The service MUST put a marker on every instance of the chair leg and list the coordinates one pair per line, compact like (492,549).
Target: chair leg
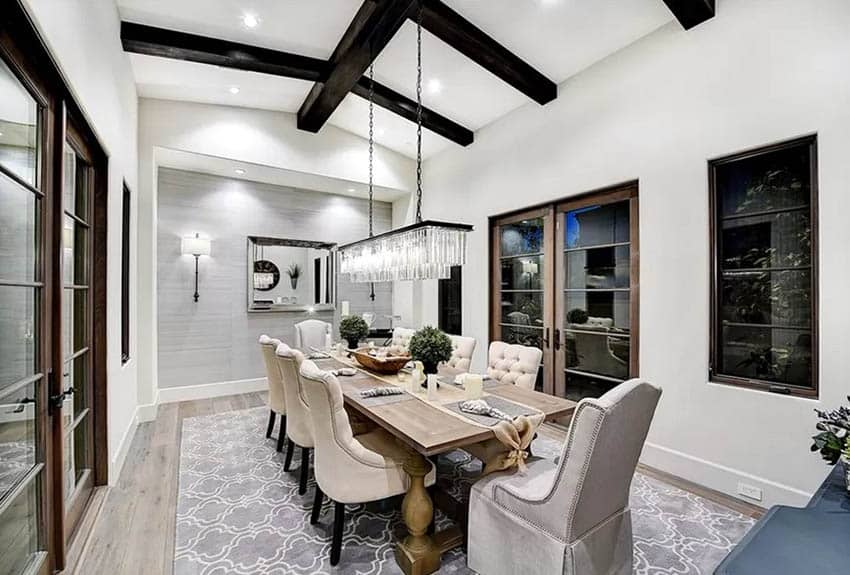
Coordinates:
(305,469)
(290,447)
(336,542)
(270,428)
(318,499)
(281,434)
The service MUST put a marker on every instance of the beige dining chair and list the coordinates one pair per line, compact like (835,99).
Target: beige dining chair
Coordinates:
(462,350)
(513,363)
(570,517)
(401,337)
(277,399)
(299,430)
(348,469)
(313,333)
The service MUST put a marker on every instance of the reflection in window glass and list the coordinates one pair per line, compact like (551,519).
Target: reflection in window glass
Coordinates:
(597,225)
(18,128)
(525,237)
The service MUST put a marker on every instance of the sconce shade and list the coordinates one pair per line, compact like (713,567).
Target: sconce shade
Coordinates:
(195,246)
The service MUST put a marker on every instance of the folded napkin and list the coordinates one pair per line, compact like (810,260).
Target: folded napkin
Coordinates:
(379,391)
(516,436)
(481,407)
(344,371)
(459,378)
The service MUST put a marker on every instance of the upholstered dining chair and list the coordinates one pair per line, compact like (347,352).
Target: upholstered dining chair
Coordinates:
(299,430)
(401,337)
(348,469)
(312,333)
(570,517)
(462,349)
(513,363)
(277,399)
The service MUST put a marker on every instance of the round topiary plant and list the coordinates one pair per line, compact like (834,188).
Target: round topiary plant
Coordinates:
(352,329)
(430,346)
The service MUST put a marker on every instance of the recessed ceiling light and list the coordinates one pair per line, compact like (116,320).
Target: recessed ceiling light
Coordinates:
(350,190)
(239,171)
(233,89)
(434,86)
(250,20)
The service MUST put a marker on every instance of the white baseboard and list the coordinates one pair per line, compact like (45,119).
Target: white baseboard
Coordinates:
(148,411)
(719,477)
(207,390)
(117,462)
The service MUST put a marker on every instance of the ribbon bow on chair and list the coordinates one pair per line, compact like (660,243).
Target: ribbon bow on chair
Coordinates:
(516,436)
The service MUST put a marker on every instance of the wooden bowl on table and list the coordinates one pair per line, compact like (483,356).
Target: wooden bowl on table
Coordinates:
(387,365)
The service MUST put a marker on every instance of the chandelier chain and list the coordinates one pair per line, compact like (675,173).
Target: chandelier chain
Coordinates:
(371,140)
(419,114)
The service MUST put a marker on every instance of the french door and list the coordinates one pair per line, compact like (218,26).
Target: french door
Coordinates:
(564,278)
(52,352)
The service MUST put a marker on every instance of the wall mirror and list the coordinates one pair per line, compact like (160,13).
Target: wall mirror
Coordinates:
(290,275)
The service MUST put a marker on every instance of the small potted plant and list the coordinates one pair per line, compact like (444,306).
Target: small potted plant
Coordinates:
(294,272)
(833,441)
(430,346)
(352,329)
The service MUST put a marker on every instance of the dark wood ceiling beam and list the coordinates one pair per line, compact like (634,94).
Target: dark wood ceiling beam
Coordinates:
(406,108)
(373,27)
(475,44)
(142,39)
(690,13)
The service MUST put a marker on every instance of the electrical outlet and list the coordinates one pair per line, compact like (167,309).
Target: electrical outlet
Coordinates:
(749,491)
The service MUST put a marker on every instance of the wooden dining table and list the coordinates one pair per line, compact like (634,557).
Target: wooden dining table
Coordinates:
(428,431)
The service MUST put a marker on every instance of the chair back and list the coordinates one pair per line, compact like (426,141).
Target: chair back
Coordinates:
(277,399)
(599,458)
(401,337)
(312,333)
(513,363)
(462,349)
(299,428)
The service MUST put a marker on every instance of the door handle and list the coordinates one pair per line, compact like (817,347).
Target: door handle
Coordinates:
(557,339)
(546,337)
(22,404)
(56,401)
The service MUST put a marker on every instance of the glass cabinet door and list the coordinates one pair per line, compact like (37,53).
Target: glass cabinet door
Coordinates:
(596,293)
(22,358)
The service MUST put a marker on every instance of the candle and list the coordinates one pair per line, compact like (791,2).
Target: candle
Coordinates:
(344,308)
(473,383)
(432,387)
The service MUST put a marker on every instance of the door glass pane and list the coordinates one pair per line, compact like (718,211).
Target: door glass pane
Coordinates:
(597,226)
(19,221)
(525,237)
(19,528)
(605,310)
(18,411)
(597,268)
(75,451)
(18,323)
(75,186)
(74,252)
(74,377)
(522,308)
(524,273)
(530,336)
(18,128)
(595,351)
(579,386)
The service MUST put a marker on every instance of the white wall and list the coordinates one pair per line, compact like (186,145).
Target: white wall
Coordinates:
(759,72)
(83,37)
(250,136)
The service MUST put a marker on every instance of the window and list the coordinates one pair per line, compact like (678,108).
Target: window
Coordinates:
(125,277)
(450,295)
(764,280)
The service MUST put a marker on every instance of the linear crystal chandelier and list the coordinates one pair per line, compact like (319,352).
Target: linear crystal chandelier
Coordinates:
(423,250)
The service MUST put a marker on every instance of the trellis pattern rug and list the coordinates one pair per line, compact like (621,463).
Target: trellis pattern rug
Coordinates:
(239,513)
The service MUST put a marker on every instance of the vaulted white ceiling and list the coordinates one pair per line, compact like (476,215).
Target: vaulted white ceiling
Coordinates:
(558,37)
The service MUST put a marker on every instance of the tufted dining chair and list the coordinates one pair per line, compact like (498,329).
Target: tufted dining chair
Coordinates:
(277,399)
(313,333)
(401,337)
(462,349)
(513,363)
(299,428)
(570,517)
(348,470)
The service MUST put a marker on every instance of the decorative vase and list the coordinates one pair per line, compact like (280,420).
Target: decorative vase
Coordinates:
(429,367)
(293,282)
(353,343)
(845,461)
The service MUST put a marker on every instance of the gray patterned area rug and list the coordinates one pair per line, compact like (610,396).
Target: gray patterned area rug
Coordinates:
(239,513)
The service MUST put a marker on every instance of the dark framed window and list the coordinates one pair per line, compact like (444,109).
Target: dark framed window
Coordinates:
(125,276)
(451,309)
(764,268)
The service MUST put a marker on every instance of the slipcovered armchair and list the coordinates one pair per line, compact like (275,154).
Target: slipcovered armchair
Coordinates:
(570,517)
(277,399)
(299,428)
(313,333)
(401,338)
(512,363)
(462,349)
(348,470)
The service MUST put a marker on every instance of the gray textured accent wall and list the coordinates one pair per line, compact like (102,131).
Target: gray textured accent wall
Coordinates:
(215,340)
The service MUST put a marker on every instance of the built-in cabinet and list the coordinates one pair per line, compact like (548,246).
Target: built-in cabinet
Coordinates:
(564,278)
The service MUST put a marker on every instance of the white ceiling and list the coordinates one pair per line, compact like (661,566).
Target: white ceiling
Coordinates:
(558,37)
(225,167)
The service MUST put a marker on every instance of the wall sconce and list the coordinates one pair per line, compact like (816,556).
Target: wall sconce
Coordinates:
(195,246)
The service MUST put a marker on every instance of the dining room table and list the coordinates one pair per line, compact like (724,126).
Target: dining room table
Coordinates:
(429,424)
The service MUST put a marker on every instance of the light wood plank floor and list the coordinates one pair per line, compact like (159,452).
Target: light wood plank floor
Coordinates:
(134,532)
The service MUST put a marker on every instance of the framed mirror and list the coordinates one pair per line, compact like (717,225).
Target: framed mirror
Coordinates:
(290,275)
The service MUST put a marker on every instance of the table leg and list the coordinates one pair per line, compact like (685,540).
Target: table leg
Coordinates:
(417,554)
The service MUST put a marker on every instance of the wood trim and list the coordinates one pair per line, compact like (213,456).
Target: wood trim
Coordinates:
(100,346)
(715,271)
